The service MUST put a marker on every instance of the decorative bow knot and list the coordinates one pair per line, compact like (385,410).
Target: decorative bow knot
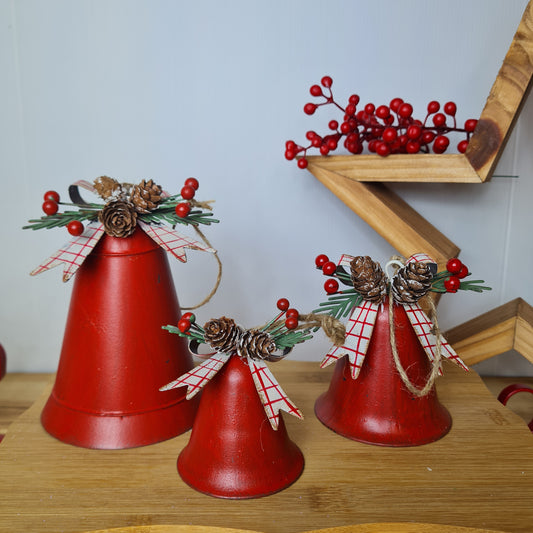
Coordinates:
(127,206)
(412,281)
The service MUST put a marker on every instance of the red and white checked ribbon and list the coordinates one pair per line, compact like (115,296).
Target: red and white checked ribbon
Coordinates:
(361,324)
(74,252)
(272,396)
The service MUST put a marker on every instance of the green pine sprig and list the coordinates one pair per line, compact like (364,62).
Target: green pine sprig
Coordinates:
(340,305)
(195,332)
(87,212)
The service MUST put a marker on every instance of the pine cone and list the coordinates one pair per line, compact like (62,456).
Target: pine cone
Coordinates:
(368,278)
(412,282)
(106,186)
(257,345)
(145,196)
(119,218)
(222,334)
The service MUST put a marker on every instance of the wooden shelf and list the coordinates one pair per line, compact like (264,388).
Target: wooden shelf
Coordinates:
(507,327)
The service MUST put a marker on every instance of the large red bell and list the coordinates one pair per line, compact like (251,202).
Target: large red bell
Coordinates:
(115,356)
(377,407)
(233,451)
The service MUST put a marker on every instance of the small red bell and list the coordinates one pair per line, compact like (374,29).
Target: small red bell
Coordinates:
(233,451)
(377,408)
(115,354)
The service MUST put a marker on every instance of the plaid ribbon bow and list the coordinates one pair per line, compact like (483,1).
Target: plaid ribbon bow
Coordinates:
(361,324)
(75,251)
(272,396)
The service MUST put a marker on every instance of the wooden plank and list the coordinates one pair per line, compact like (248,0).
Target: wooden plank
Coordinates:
(383,210)
(505,100)
(420,168)
(48,486)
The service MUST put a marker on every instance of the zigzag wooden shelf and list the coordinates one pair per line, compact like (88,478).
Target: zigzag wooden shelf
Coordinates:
(383,210)
(508,327)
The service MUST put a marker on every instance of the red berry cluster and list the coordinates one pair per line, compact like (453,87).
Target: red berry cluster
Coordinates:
(331,286)
(185,322)
(458,271)
(291,315)
(386,129)
(51,207)
(187,193)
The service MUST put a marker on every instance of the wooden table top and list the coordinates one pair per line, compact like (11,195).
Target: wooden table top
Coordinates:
(479,475)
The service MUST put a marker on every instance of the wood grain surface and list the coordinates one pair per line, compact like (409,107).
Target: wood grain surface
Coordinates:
(479,475)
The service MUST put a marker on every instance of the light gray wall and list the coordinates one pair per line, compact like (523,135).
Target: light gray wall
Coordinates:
(171,89)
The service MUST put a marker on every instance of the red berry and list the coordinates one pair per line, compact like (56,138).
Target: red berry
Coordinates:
(51,195)
(463,272)
(433,107)
(75,227)
(354,99)
(326,81)
(450,108)
(382,112)
(329,268)
(193,182)
(369,109)
(292,313)
(283,304)
(454,265)
(452,283)
(183,209)
(405,110)
(389,134)
(324,149)
(395,104)
(50,207)
(470,125)
(309,108)
(439,120)
(331,286)
(290,155)
(412,147)
(440,144)
(184,325)
(382,149)
(462,146)
(291,323)
(350,110)
(414,131)
(187,193)
(289,145)
(333,125)
(321,260)
(191,317)
(302,163)
(427,136)
(315,90)
(332,144)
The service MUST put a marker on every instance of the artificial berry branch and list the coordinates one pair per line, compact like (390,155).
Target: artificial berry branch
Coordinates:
(384,129)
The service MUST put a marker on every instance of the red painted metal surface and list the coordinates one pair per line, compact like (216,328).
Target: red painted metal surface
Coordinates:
(233,451)
(3,362)
(115,356)
(508,392)
(377,408)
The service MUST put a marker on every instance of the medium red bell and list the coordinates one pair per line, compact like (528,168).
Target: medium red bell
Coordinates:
(233,451)
(377,408)
(115,354)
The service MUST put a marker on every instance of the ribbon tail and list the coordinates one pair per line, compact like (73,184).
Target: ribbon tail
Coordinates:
(73,253)
(199,376)
(358,333)
(424,330)
(272,396)
(172,241)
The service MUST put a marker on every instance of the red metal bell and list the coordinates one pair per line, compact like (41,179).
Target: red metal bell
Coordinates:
(377,408)
(233,451)
(115,354)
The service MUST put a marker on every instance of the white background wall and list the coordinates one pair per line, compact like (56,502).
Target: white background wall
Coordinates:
(170,89)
